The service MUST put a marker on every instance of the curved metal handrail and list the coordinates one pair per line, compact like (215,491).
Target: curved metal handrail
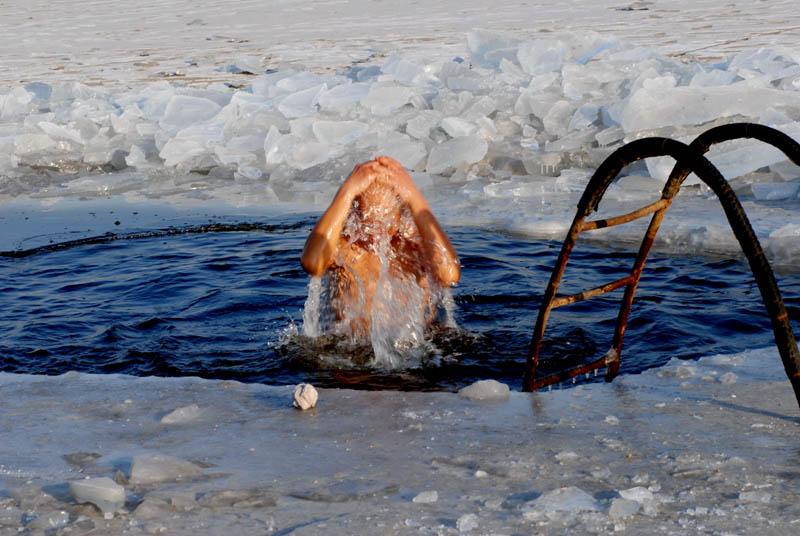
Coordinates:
(689,158)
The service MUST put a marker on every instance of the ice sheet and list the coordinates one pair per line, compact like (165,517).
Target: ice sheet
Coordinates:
(706,445)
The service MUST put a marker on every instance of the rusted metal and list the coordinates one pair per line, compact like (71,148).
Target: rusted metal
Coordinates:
(688,159)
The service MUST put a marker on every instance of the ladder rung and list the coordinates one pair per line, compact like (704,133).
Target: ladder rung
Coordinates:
(565,374)
(625,218)
(591,293)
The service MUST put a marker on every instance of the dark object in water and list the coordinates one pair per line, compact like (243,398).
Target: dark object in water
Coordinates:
(689,159)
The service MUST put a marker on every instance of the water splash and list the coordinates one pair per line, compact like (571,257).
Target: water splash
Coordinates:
(379,290)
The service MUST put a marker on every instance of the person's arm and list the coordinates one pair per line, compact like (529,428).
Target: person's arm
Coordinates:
(323,241)
(441,254)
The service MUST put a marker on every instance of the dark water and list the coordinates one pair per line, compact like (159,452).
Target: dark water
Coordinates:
(226,304)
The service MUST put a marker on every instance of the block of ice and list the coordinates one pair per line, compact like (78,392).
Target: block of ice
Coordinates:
(421,124)
(456,152)
(567,499)
(584,116)
(638,493)
(410,153)
(298,82)
(455,127)
(755,496)
(338,132)
(385,99)
(151,468)
(425,497)
(467,522)
(184,110)
(660,107)
(622,508)
(712,77)
(103,492)
(488,49)
(401,69)
(486,391)
(47,521)
(775,191)
(304,155)
(301,103)
(178,151)
(15,103)
(542,56)
(182,415)
(557,119)
(343,95)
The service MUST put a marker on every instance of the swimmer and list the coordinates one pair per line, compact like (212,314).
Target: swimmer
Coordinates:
(378,220)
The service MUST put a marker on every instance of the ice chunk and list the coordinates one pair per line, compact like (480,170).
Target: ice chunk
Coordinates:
(15,103)
(622,508)
(178,151)
(60,132)
(775,191)
(343,95)
(383,100)
(184,110)
(585,116)
(456,152)
(639,494)
(421,124)
(297,82)
(755,496)
(566,456)
(304,155)
(488,49)
(49,520)
(713,77)
(486,390)
(151,468)
(568,499)
(542,56)
(182,415)
(338,132)
(467,522)
(651,108)
(402,70)
(304,396)
(558,118)
(408,152)
(729,378)
(430,496)
(455,127)
(103,492)
(301,103)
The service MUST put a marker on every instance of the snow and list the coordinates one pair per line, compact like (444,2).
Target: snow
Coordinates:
(501,124)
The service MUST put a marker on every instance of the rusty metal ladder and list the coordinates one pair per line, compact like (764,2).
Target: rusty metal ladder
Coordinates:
(689,158)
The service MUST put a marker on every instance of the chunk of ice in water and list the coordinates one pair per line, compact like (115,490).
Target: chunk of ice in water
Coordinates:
(103,492)
(338,132)
(182,415)
(557,120)
(638,493)
(51,520)
(301,103)
(585,116)
(343,95)
(542,56)
(488,49)
(383,100)
(430,496)
(151,468)
(622,508)
(467,522)
(456,152)
(713,77)
(755,496)
(486,391)
(304,155)
(775,191)
(455,127)
(568,499)
(421,124)
(184,110)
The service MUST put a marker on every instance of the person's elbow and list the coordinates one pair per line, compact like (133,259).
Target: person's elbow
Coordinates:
(449,273)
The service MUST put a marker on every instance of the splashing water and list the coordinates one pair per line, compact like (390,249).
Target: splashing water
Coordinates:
(379,291)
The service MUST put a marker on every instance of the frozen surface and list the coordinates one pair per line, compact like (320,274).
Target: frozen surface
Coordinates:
(687,452)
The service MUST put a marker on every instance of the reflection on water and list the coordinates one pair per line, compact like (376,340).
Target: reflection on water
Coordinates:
(230,305)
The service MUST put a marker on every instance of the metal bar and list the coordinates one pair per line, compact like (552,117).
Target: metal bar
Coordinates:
(591,293)
(561,375)
(625,218)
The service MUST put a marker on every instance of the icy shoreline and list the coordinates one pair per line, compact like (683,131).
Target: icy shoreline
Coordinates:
(694,446)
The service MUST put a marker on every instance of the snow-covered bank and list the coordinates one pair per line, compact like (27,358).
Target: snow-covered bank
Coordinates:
(707,446)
